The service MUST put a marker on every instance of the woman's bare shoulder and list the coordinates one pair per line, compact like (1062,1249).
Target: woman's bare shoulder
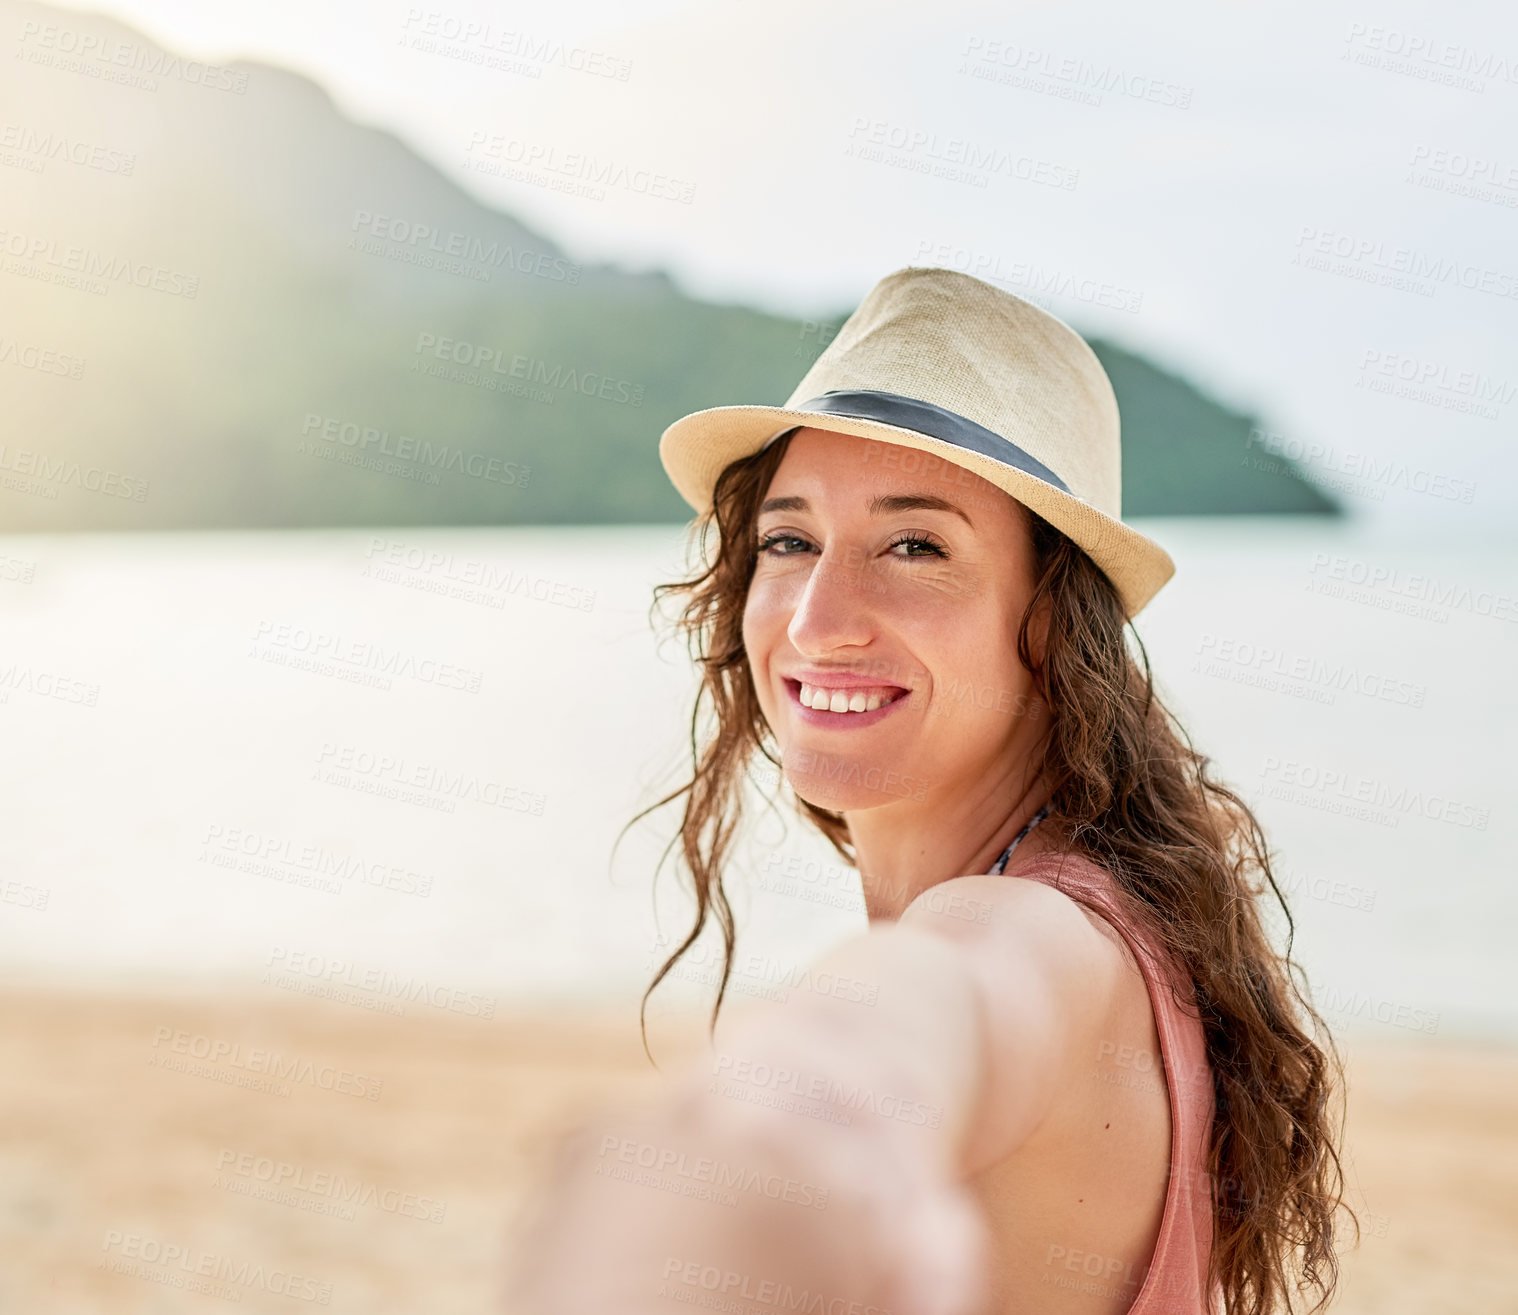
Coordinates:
(1049,982)
(1011,913)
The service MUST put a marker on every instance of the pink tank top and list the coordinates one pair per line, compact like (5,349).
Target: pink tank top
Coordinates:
(1177,1276)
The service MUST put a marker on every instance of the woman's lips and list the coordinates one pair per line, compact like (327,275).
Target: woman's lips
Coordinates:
(853,701)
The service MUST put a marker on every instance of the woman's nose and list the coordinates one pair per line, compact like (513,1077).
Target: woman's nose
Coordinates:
(838,604)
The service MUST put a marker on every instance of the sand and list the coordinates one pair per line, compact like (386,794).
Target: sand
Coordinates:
(119,1144)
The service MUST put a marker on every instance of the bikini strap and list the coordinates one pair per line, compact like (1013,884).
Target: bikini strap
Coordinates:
(1000,865)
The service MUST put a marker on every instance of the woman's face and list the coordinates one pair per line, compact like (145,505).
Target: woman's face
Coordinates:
(889,577)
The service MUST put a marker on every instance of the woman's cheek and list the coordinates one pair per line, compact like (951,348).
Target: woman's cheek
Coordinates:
(977,696)
(762,629)
(759,619)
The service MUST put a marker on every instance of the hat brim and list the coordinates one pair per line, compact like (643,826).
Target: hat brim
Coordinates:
(697,447)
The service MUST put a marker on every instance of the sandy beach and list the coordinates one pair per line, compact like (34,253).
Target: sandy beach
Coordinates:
(147,1137)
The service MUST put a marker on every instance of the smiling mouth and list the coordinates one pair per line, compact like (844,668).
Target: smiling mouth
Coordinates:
(859,699)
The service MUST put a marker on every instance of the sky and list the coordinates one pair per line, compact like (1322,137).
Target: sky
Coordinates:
(1309,209)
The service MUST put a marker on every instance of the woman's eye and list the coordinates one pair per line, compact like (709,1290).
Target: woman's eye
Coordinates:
(917,545)
(767,544)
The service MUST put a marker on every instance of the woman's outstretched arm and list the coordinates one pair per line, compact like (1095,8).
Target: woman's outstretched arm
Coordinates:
(822,1147)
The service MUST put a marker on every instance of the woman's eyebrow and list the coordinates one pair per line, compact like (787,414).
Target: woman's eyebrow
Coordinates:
(892,502)
(885,502)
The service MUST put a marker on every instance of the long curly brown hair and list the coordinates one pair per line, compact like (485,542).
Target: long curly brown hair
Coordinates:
(1133,795)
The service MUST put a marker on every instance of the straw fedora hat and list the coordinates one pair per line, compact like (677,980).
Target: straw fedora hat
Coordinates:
(950,365)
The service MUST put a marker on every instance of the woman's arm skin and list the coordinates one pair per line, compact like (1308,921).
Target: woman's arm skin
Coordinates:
(989,997)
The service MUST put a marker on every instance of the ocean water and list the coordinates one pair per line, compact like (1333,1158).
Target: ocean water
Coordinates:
(210,778)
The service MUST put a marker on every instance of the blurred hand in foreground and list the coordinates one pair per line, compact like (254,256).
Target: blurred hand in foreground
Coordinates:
(698,1198)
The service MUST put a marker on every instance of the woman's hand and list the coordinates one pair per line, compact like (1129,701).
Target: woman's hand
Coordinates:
(696,1198)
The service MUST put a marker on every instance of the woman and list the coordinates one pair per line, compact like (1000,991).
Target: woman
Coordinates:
(1072,1074)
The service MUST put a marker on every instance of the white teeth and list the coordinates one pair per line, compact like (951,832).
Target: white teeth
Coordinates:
(815,696)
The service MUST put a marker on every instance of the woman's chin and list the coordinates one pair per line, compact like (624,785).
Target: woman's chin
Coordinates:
(843,785)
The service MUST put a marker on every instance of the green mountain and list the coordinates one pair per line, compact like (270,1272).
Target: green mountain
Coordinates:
(223,303)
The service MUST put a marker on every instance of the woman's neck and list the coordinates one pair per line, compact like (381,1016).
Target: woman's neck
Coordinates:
(902,853)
